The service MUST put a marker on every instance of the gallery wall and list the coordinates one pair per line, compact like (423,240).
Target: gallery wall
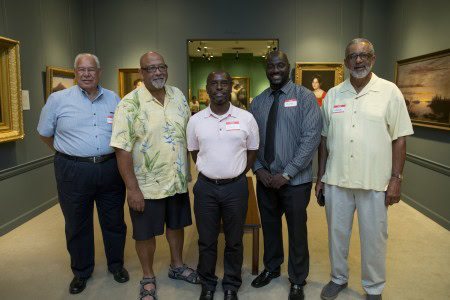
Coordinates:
(51,32)
(418,28)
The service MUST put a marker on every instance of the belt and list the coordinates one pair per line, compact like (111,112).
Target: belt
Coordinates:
(92,159)
(221,181)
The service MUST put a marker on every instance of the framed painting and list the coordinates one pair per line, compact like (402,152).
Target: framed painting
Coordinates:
(58,79)
(319,77)
(11,115)
(129,79)
(240,92)
(425,83)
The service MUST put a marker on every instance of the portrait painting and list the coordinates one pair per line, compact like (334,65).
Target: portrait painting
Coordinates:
(129,79)
(425,84)
(58,79)
(319,77)
(240,92)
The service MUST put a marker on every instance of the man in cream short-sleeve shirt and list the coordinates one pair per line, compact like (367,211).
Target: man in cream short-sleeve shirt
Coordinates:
(361,158)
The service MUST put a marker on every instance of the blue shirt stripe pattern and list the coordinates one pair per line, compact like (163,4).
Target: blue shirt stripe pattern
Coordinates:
(298,128)
(80,127)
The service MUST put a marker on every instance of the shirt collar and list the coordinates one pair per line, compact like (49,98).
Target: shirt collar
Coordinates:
(230,113)
(99,89)
(285,88)
(169,93)
(371,86)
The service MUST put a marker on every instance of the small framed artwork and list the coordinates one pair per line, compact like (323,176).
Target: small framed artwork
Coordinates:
(58,79)
(11,116)
(319,77)
(425,83)
(129,79)
(240,92)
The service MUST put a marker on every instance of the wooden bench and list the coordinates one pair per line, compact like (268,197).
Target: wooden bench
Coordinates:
(252,224)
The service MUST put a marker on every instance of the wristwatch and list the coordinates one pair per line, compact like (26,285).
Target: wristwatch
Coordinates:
(286,176)
(398,176)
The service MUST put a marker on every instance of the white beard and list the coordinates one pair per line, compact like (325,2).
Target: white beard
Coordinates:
(159,83)
(362,73)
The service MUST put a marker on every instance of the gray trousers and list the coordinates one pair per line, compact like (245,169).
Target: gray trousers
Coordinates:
(340,204)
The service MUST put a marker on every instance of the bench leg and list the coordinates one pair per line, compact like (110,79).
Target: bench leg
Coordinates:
(255,262)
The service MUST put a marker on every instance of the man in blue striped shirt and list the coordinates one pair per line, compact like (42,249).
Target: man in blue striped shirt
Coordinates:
(77,124)
(289,122)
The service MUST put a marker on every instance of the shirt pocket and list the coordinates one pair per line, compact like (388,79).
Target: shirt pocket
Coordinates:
(373,110)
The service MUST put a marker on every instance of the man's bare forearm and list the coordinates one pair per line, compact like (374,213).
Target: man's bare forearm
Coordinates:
(323,156)
(48,141)
(398,155)
(125,165)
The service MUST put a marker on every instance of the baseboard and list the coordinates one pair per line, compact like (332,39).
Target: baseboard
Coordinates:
(16,222)
(426,211)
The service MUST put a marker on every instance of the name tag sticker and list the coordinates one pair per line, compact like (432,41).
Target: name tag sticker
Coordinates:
(109,119)
(290,103)
(232,125)
(339,108)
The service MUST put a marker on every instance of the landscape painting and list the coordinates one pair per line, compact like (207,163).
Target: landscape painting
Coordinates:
(425,84)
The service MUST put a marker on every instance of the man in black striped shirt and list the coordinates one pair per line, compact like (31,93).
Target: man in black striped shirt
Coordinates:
(289,122)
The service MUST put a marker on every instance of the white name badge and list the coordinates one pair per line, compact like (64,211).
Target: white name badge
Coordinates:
(339,108)
(290,103)
(109,119)
(232,125)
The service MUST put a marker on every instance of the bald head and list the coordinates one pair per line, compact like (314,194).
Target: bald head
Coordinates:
(153,71)
(280,54)
(277,69)
(218,72)
(149,56)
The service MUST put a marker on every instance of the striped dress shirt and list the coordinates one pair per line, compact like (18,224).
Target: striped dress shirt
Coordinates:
(297,133)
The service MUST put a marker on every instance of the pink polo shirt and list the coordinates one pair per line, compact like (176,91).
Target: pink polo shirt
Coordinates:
(222,141)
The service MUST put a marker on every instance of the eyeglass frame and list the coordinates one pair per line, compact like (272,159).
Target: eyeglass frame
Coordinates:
(147,69)
(86,70)
(354,56)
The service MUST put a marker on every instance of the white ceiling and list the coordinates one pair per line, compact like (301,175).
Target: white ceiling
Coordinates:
(217,47)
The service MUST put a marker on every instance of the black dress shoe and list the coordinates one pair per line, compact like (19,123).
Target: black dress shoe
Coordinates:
(264,278)
(230,295)
(296,292)
(206,295)
(121,276)
(77,285)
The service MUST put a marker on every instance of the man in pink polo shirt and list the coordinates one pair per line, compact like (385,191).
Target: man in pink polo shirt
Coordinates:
(223,141)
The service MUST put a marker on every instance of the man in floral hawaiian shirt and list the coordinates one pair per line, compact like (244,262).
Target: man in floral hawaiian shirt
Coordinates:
(149,135)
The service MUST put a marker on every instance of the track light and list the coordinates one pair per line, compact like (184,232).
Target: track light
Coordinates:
(237,55)
(199,49)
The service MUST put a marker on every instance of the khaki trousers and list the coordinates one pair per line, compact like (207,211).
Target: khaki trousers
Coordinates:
(340,204)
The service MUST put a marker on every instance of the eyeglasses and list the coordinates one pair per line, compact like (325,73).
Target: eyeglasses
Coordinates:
(152,69)
(363,56)
(86,70)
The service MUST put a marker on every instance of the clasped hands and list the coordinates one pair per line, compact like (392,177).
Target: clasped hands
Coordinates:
(271,181)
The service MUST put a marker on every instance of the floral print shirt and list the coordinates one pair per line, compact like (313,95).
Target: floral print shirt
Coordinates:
(155,134)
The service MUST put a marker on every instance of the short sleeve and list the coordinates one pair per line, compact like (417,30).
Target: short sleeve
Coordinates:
(398,118)
(253,136)
(47,120)
(324,110)
(192,140)
(123,130)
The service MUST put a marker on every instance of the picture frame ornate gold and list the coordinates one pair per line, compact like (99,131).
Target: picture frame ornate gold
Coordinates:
(11,114)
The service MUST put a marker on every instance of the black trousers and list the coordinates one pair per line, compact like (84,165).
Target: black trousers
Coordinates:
(292,201)
(212,203)
(79,184)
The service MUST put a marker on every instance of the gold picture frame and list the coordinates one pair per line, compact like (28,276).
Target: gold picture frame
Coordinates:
(240,92)
(424,82)
(127,79)
(11,114)
(58,79)
(331,73)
